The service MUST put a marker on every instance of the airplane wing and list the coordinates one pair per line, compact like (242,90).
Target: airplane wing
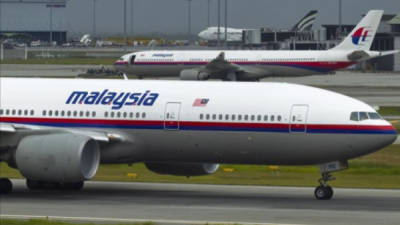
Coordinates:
(218,68)
(33,130)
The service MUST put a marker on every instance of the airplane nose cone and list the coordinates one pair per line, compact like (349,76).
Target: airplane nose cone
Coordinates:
(120,64)
(202,35)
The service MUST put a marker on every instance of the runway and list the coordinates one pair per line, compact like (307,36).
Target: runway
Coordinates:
(198,204)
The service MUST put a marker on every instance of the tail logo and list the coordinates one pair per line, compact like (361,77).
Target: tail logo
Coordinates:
(360,35)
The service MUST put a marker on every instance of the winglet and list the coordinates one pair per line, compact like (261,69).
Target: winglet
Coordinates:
(361,37)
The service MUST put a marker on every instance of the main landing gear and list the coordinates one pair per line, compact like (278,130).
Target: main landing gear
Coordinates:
(5,186)
(324,191)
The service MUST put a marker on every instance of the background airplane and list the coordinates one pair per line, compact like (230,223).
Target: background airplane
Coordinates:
(57,131)
(234,34)
(253,65)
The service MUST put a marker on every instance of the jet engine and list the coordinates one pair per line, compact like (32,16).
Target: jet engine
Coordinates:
(193,75)
(58,157)
(182,169)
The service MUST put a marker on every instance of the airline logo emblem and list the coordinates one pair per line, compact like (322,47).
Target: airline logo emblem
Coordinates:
(116,99)
(200,102)
(360,35)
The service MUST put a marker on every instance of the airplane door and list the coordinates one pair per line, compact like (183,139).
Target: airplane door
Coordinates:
(298,119)
(172,116)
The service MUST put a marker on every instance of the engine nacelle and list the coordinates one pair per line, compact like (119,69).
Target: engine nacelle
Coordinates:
(58,157)
(193,75)
(183,169)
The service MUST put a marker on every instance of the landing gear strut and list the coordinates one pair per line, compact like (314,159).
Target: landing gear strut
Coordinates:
(5,186)
(324,191)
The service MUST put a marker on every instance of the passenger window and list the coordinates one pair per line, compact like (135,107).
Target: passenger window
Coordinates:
(112,114)
(131,114)
(106,114)
(44,113)
(239,117)
(214,117)
(1,112)
(259,117)
(294,118)
(265,118)
(124,114)
(246,117)
(87,113)
(233,117)
(201,116)
(50,113)
(220,116)
(62,113)
(56,113)
(363,116)
(138,115)
(143,115)
(13,112)
(25,112)
(207,116)
(81,113)
(226,117)
(118,114)
(75,113)
(354,116)
(272,118)
(93,114)
(32,112)
(252,117)
(68,113)
(279,118)
(19,112)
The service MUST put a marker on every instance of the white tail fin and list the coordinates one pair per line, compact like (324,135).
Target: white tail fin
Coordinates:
(363,34)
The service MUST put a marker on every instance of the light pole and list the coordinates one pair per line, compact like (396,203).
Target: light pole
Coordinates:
(219,24)
(226,23)
(340,16)
(94,18)
(132,19)
(125,34)
(190,21)
(208,13)
(51,24)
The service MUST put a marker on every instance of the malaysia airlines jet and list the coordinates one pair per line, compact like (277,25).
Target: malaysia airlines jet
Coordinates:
(234,34)
(253,64)
(57,131)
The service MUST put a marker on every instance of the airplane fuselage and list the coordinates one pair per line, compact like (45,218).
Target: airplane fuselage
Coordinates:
(212,122)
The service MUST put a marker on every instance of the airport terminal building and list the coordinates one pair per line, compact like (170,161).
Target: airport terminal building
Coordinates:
(34,20)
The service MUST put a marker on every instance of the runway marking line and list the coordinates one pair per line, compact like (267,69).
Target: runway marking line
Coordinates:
(132,220)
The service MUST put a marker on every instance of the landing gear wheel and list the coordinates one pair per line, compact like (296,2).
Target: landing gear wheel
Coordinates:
(5,186)
(323,192)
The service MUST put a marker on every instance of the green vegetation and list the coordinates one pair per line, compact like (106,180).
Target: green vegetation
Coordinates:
(387,110)
(62,61)
(55,222)
(378,170)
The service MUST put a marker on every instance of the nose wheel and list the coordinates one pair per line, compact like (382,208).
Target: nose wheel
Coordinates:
(324,191)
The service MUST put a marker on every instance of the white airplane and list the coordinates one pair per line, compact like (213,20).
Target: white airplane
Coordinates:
(254,65)
(57,131)
(234,34)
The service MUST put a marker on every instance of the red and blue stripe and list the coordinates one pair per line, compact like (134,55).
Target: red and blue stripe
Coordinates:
(203,126)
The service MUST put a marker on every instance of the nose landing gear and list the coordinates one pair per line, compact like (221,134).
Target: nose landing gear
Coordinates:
(324,191)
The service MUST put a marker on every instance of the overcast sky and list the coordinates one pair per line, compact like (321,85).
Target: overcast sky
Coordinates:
(171,16)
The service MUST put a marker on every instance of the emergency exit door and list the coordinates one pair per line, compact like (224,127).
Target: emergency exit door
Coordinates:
(172,116)
(298,119)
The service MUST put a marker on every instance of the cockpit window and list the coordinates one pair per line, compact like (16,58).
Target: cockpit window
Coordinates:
(363,116)
(360,116)
(374,116)
(354,116)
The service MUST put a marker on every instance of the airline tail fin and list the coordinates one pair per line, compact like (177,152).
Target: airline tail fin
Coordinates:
(361,37)
(306,22)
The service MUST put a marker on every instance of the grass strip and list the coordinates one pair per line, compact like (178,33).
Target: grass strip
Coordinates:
(56,222)
(62,61)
